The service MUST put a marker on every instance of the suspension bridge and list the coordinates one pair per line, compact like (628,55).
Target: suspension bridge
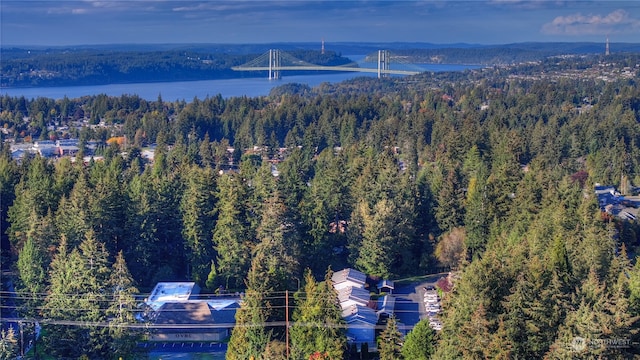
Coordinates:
(276,61)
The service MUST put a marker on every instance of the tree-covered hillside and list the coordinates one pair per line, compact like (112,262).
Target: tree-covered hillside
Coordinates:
(73,67)
(491,173)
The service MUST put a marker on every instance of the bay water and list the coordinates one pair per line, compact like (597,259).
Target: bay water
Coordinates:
(188,90)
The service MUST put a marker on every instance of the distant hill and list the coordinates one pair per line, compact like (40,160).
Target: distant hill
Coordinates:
(343,47)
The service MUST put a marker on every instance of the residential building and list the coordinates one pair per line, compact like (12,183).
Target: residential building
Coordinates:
(361,325)
(348,278)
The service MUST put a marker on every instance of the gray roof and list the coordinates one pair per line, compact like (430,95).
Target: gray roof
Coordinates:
(194,315)
(357,313)
(353,293)
(226,315)
(349,275)
(385,283)
(184,313)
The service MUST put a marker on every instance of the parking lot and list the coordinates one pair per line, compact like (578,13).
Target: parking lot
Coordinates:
(411,304)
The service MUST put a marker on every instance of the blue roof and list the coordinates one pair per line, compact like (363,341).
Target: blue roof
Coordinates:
(358,313)
(353,293)
(349,275)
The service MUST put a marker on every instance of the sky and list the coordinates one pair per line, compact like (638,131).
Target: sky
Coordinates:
(87,22)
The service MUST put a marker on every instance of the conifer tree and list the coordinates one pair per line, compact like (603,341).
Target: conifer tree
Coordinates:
(77,293)
(230,236)
(419,342)
(249,338)
(499,346)
(475,220)
(326,209)
(277,253)
(390,341)
(387,236)
(73,217)
(108,205)
(9,177)
(122,309)
(317,320)
(8,344)
(474,334)
(32,194)
(198,219)
(32,271)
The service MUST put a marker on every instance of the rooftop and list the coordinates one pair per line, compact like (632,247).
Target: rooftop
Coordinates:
(171,292)
(349,275)
(358,313)
(355,294)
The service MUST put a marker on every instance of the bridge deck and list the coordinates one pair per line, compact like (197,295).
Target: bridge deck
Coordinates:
(325,68)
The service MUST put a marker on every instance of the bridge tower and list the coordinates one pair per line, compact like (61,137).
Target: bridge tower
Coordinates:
(275,61)
(383,63)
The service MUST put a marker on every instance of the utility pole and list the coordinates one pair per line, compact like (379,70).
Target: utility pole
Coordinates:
(286,319)
(21,339)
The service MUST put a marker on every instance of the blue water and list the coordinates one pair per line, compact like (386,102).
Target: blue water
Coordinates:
(188,90)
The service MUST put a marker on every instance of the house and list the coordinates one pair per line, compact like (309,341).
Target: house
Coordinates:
(386,306)
(19,154)
(385,285)
(613,203)
(353,296)
(171,292)
(361,325)
(348,278)
(45,148)
(195,321)
(355,301)
(179,314)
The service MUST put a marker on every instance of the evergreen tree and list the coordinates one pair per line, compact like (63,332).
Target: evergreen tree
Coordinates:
(108,205)
(249,338)
(122,308)
(474,335)
(325,211)
(8,344)
(449,212)
(9,177)
(31,269)
(77,293)
(390,341)
(634,289)
(419,342)
(73,218)
(276,255)
(475,220)
(155,248)
(317,319)
(198,218)
(32,194)
(230,235)
(500,346)
(386,239)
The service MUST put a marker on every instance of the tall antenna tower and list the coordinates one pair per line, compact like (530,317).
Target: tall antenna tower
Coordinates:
(606,49)
(322,46)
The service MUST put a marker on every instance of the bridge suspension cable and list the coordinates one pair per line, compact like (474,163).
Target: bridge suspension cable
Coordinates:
(275,61)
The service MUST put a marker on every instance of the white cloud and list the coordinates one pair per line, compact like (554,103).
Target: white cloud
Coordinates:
(616,22)
(527,4)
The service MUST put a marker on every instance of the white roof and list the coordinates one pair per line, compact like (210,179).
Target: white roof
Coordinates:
(170,292)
